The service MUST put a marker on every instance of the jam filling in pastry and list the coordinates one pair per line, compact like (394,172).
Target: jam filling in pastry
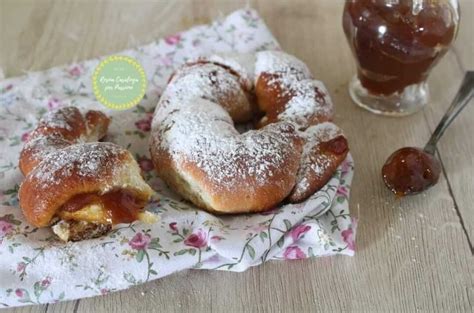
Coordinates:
(77,185)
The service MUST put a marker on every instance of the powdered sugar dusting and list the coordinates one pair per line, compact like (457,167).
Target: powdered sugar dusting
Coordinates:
(61,118)
(207,81)
(310,100)
(242,63)
(86,160)
(202,132)
(192,125)
(49,136)
(277,62)
(311,162)
(40,147)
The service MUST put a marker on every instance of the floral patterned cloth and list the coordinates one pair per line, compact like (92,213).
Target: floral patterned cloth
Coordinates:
(35,268)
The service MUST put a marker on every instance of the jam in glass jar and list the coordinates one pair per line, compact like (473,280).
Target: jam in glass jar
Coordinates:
(396,43)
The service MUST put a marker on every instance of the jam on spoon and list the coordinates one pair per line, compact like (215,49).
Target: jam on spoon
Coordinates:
(412,170)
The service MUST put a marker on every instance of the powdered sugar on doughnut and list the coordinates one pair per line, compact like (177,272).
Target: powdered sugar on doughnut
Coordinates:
(197,150)
(241,63)
(287,66)
(313,162)
(202,132)
(310,100)
(206,81)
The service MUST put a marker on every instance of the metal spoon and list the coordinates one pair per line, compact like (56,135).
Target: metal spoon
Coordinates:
(412,170)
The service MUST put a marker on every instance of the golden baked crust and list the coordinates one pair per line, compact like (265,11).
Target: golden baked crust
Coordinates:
(247,187)
(78,169)
(64,171)
(198,152)
(59,129)
(326,148)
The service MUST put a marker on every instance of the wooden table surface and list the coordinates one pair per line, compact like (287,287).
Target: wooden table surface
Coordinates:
(413,254)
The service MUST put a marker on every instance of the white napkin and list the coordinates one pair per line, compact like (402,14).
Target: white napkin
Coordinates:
(35,268)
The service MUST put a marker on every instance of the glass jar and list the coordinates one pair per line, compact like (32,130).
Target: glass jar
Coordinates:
(396,43)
